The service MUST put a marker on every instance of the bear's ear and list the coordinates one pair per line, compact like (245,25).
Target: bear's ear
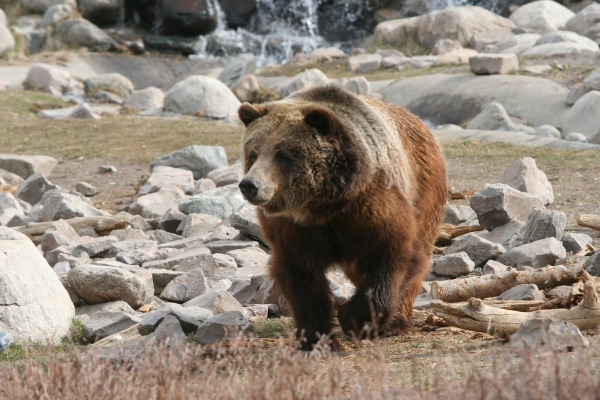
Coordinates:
(249,113)
(322,120)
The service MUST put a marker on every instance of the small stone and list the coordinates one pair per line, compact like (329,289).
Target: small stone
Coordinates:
(394,61)
(224,327)
(198,225)
(576,92)
(185,287)
(167,177)
(222,232)
(486,64)
(524,175)
(204,185)
(4,341)
(575,242)
(240,66)
(112,307)
(477,248)
(195,255)
(171,221)
(257,311)
(33,188)
(547,131)
(155,205)
(140,256)
(444,46)
(246,221)
(422,61)
(146,99)
(217,301)
(492,267)
(592,264)
(456,215)
(328,51)
(225,246)
(198,159)
(304,80)
(47,78)
(364,63)
(85,189)
(537,69)
(453,265)
(246,88)
(104,324)
(189,318)
(107,169)
(249,257)
(547,334)
(129,233)
(538,254)
(522,292)
(129,245)
(220,202)
(25,166)
(95,247)
(505,234)
(575,137)
(115,83)
(542,224)
(358,85)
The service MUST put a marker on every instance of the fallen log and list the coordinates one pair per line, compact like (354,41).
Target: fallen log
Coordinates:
(474,315)
(484,286)
(515,305)
(102,225)
(448,232)
(589,221)
(8,188)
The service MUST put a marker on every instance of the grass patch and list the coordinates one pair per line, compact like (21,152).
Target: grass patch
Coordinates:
(131,139)
(274,328)
(409,48)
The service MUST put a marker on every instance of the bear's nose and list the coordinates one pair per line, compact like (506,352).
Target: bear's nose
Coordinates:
(249,187)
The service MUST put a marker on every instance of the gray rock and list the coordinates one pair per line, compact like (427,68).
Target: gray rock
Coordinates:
(226,266)
(487,64)
(114,83)
(592,264)
(491,267)
(246,221)
(107,169)
(201,95)
(165,177)
(575,137)
(155,205)
(358,85)
(577,91)
(394,61)
(4,341)
(150,98)
(567,37)
(165,239)
(257,311)
(523,292)
(223,328)
(477,248)
(85,189)
(555,50)
(482,41)
(162,277)
(592,81)
(104,324)
(304,80)
(35,40)
(130,245)
(584,21)
(189,318)
(198,225)
(25,166)
(456,215)
(444,46)
(538,254)
(80,32)
(498,204)
(198,159)
(582,117)
(196,254)
(59,234)
(9,208)
(495,118)
(453,265)
(185,287)
(225,246)
(542,224)
(224,176)
(81,111)
(220,202)
(515,44)
(364,63)
(575,242)
(547,334)
(36,306)
(56,14)
(96,284)
(547,131)
(245,88)
(74,261)
(110,307)
(3,19)
(63,204)
(41,6)
(245,290)
(217,301)
(129,233)
(542,16)
(171,221)
(9,178)
(241,65)
(94,247)
(32,189)
(104,96)
(422,61)
(249,257)
(102,12)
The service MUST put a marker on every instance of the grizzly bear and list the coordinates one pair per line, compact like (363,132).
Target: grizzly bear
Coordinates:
(346,180)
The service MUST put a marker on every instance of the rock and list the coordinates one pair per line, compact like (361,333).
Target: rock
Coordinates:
(542,16)
(4,21)
(457,23)
(25,166)
(456,57)
(576,92)
(167,177)
(547,334)
(96,284)
(306,79)
(107,169)
(81,111)
(4,341)
(217,301)
(453,265)
(110,307)
(515,44)
(186,287)
(422,61)
(524,176)
(9,208)
(36,306)
(547,131)
(171,221)
(187,17)
(85,189)
(35,40)
(198,159)
(225,246)
(129,245)
(220,202)
(107,97)
(582,117)
(257,311)
(486,64)
(59,234)
(241,66)
(332,52)
(499,204)
(250,257)
(155,205)
(575,242)
(246,221)
(149,98)
(522,292)
(184,45)
(41,6)
(196,256)
(575,137)
(245,88)
(189,318)
(478,249)
(537,69)
(105,324)
(203,96)
(197,225)
(538,254)
(456,215)
(444,46)
(32,189)
(56,14)
(203,185)
(542,224)
(224,176)
(482,41)
(223,328)
(358,85)
(62,204)
(9,178)
(592,264)
(140,256)
(172,241)
(245,290)
(114,83)
(129,233)
(584,21)
(491,267)
(394,61)
(80,32)
(554,50)
(94,247)
(364,63)
(162,277)
(101,12)
(493,118)
(568,37)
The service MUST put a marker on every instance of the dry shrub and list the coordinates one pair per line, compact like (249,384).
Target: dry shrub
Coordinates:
(241,372)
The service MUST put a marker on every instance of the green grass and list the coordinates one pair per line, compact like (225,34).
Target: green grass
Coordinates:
(129,138)
(274,328)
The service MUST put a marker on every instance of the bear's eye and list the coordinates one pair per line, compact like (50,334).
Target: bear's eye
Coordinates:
(252,156)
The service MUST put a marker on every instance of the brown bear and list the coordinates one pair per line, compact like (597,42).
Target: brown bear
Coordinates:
(346,180)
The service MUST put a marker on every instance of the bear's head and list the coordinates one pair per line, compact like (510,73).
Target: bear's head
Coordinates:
(297,157)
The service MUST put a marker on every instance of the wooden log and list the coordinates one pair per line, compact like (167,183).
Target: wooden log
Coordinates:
(515,305)
(476,316)
(34,229)
(589,221)
(484,286)
(8,188)
(449,231)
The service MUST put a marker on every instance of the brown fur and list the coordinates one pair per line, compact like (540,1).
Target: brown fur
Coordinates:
(350,181)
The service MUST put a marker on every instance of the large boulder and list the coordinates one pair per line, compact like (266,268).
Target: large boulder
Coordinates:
(201,95)
(25,166)
(40,6)
(101,12)
(542,16)
(584,117)
(458,23)
(34,305)
(241,65)
(198,159)
(586,22)
(306,79)
(55,14)
(81,32)
(47,78)
(187,17)
(113,83)
(149,98)
(525,176)
(220,202)
(7,41)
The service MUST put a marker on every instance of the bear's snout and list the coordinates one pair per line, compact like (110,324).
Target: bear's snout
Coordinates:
(249,188)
